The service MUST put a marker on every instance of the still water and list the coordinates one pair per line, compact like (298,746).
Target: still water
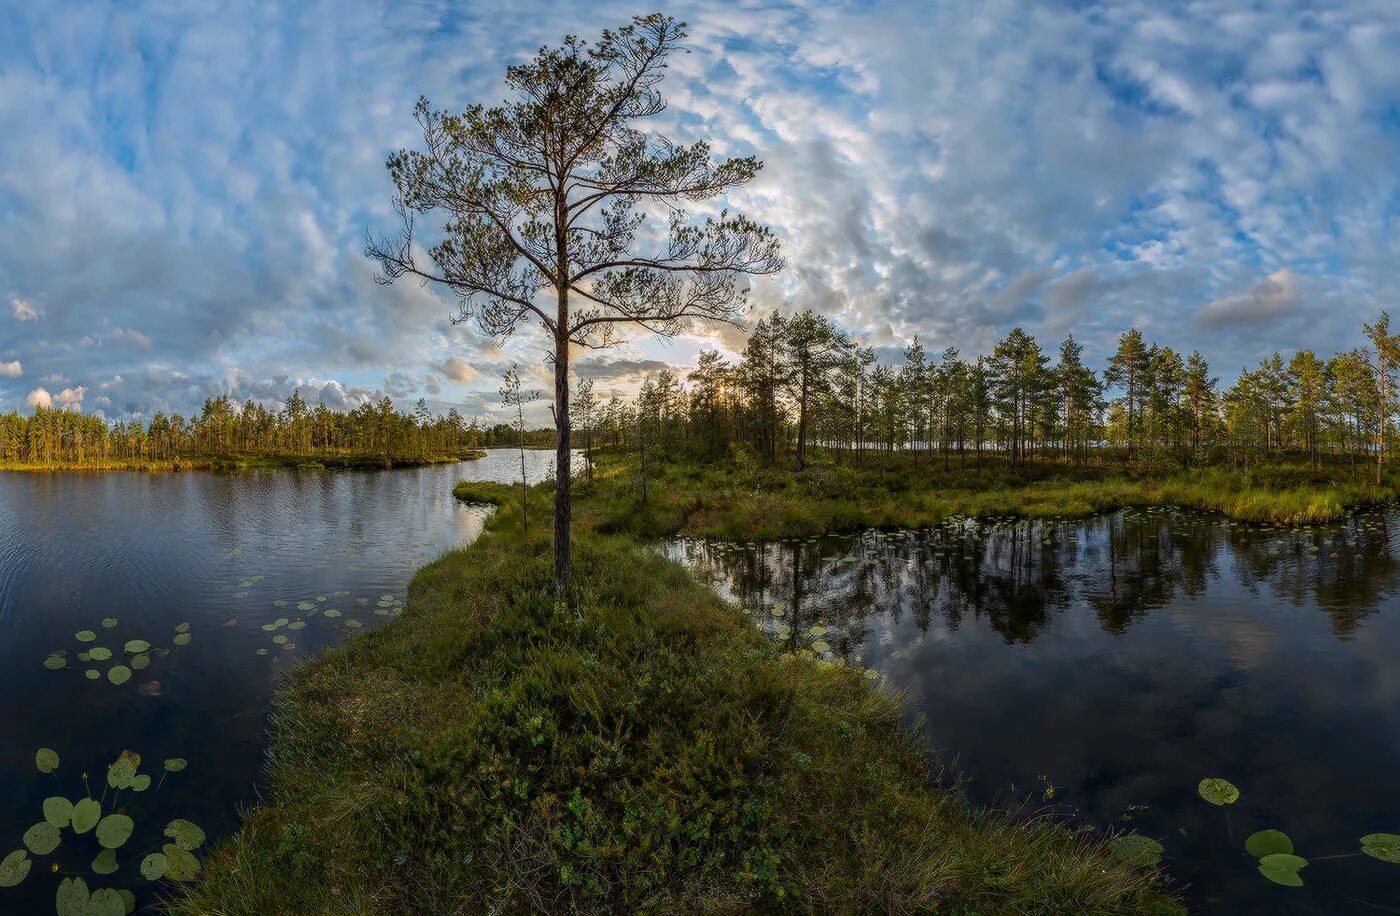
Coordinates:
(229,578)
(1103,668)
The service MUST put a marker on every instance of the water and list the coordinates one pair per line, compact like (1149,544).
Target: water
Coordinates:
(1103,668)
(155,551)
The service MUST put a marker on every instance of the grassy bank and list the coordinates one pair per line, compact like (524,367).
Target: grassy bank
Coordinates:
(748,502)
(234,463)
(490,752)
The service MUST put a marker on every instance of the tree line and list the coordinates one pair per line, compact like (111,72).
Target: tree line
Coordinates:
(224,429)
(803,383)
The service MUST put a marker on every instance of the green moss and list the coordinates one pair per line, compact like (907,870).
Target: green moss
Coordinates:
(649,751)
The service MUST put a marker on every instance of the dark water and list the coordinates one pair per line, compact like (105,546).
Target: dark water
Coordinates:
(226,554)
(1103,668)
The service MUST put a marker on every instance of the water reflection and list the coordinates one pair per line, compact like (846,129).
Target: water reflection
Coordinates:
(1120,660)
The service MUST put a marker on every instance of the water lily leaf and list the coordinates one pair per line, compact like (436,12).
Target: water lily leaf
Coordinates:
(153,866)
(182,628)
(14,867)
(119,674)
(58,811)
(1267,842)
(140,662)
(821,645)
(176,764)
(86,814)
(42,838)
(141,783)
(128,899)
(46,759)
(1136,849)
(137,647)
(123,770)
(305,605)
(114,830)
(180,865)
(84,656)
(297,625)
(1218,791)
(182,639)
(72,897)
(55,661)
(92,674)
(106,862)
(109,622)
(1382,846)
(1282,868)
(100,654)
(279,639)
(332,613)
(186,835)
(106,902)
(85,636)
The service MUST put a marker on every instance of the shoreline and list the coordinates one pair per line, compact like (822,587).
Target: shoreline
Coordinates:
(236,463)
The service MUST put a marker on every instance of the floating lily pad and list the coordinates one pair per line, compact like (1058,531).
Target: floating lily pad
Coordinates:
(109,622)
(137,647)
(332,612)
(86,814)
(1282,868)
(46,760)
(353,624)
(305,605)
(182,639)
(55,661)
(73,897)
(279,639)
(821,645)
(92,674)
(14,868)
(176,765)
(128,899)
(297,625)
(123,770)
(140,662)
(86,636)
(106,901)
(84,656)
(153,866)
(180,865)
(182,628)
(114,830)
(106,862)
(186,834)
(141,783)
(99,654)
(42,838)
(119,674)
(1382,846)
(1218,791)
(1136,849)
(1268,842)
(58,811)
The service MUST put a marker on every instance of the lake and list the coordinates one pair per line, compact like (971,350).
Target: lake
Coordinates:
(230,579)
(1103,668)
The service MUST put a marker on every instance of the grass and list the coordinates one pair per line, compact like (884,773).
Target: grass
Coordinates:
(233,463)
(742,501)
(491,751)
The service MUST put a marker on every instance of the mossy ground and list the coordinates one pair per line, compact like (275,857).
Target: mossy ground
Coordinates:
(644,750)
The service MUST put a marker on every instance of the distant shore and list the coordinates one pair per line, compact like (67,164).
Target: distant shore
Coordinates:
(234,463)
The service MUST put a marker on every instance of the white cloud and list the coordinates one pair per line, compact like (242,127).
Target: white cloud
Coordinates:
(459,370)
(70,398)
(11,370)
(39,398)
(22,311)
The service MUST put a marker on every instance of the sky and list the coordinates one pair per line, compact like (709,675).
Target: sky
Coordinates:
(185,187)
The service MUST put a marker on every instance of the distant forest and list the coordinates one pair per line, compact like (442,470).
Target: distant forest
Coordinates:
(803,384)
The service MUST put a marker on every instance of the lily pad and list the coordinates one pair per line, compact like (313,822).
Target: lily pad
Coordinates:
(186,835)
(1382,846)
(141,783)
(86,814)
(14,867)
(73,897)
(153,866)
(92,674)
(176,764)
(106,901)
(106,862)
(182,639)
(1282,868)
(85,636)
(58,811)
(140,662)
(1218,791)
(55,661)
(137,647)
(1268,842)
(109,622)
(182,628)
(114,830)
(119,674)
(42,838)
(180,865)
(100,654)
(46,760)
(1136,849)
(332,613)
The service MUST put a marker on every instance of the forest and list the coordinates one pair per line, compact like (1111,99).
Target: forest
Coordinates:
(802,384)
(374,433)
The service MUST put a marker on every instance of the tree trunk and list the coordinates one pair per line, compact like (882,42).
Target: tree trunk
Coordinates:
(563,468)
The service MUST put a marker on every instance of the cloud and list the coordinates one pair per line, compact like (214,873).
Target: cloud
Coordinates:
(22,311)
(135,337)
(1276,296)
(458,370)
(39,398)
(11,370)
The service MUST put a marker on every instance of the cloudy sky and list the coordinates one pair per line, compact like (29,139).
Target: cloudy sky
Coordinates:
(185,187)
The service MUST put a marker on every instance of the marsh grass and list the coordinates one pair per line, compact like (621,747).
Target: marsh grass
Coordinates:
(646,751)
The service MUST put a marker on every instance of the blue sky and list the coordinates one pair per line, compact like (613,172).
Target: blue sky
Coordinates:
(185,187)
